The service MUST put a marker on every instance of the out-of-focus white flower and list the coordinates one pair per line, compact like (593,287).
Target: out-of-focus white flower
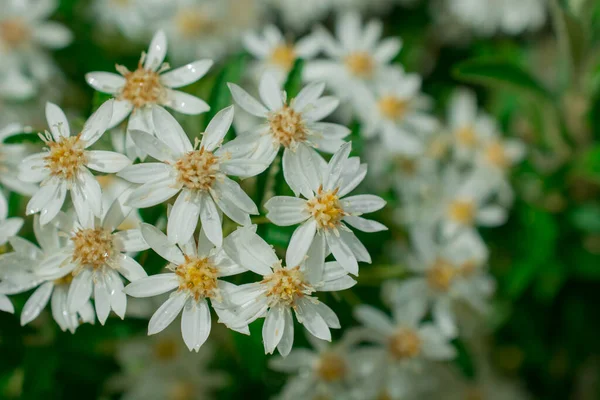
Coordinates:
(151,84)
(65,165)
(447,271)
(10,157)
(198,172)
(133,18)
(397,111)
(357,58)
(284,289)
(292,125)
(506,16)
(324,212)
(298,14)
(275,54)
(194,280)
(8,226)
(30,266)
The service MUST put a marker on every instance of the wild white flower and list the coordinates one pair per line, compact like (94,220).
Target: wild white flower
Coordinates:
(30,266)
(137,92)
(447,272)
(512,17)
(398,112)
(10,157)
(198,171)
(298,14)
(275,54)
(194,280)
(292,124)
(324,212)
(99,258)
(132,18)
(284,289)
(16,87)
(6,305)
(8,226)
(65,165)
(357,57)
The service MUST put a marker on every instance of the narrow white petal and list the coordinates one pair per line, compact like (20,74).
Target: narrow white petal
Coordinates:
(80,290)
(130,241)
(185,103)
(195,324)
(248,249)
(273,328)
(168,130)
(105,82)
(308,316)
(211,221)
(6,305)
(130,269)
(156,51)
(167,312)
(365,225)
(183,218)
(36,303)
(187,74)
(362,204)
(57,122)
(342,253)
(152,285)
(246,101)
(153,146)
(374,319)
(300,242)
(286,211)
(106,161)
(97,124)
(153,193)
(308,95)
(101,298)
(287,340)
(159,242)
(147,172)
(270,92)
(321,108)
(217,129)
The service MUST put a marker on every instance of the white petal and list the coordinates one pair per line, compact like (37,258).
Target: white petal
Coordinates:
(153,193)
(387,50)
(195,324)
(187,74)
(337,166)
(185,103)
(80,290)
(211,221)
(36,303)
(308,316)
(142,173)
(101,298)
(342,253)
(365,225)
(308,95)
(97,124)
(106,161)
(130,241)
(327,314)
(6,305)
(492,216)
(273,328)
(349,184)
(87,197)
(184,217)
(167,313)
(57,122)
(33,168)
(217,129)
(300,242)
(156,51)
(130,268)
(287,340)
(286,211)
(233,192)
(295,176)
(169,132)
(153,146)
(105,82)
(246,101)
(121,110)
(249,250)
(118,299)
(374,319)
(49,200)
(152,285)
(270,92)
(321,108)
(244,168)
(159,242)
(362,204)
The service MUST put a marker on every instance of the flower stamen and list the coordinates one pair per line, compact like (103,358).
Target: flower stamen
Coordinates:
(93,247)
(198,169)
(326,209)
(360,64)
(66,157)
(199,277)
(288,127)
(404,344)
(286,285)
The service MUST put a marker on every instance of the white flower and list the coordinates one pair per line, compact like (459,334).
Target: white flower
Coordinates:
(6,305)
(298,14)
(133,18)
(292,124)
(65,165)
(98,256)
(136,92)
(397,112)
(446,273)
(30,266)
(10,157)
(196,269)
(199,172)
(276,56)
(114,188)
(284,289)
(505,16)
(8,226)
(357,58)
(324,212)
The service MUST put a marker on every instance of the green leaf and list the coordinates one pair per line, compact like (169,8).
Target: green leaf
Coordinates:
(586,218)
(293,84)
(220,97)
(587,164)
(499,73)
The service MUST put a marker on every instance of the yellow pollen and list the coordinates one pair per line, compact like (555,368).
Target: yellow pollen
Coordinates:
(93,247)
(392,107)
(65,280)
(462,211)
(466,136)
(286,285)
(405,344)
(326,209)
(360,64)
(437,148)
(66,157)
(287,127)
(407,165)
(193,23)
(284,56)
(468,268)
(199,277)
(197,169)
(496,155)
(331,367)
(142,87)
(182,391)
(165,349)
(14,32)
(441,275)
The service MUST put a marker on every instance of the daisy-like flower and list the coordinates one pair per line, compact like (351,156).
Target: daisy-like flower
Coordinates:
(447,273)
(198,171)
(284,289)
(299,14)
(324,212)
(275,55)
(30,266)
(357,58)
(151,84)
(397,112)
(99,258)
(196,269)
(132,18)
(10,157)
(65,165)
(290,125)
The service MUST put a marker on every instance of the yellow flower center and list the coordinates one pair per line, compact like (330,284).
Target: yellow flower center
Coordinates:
(198,169)
(404,344)
(287,127)
(496,155)
(326,209)
(331,367)
(286,285)
(165,349)
(441,275)
(466,136)
(462,211)
(14,32)
(198,276)
(437,148)
(360,64)
(284,56)
(407,165)
(193,23)
(65,157)
(392,107)
(468,268)
(142,87)
(93,247)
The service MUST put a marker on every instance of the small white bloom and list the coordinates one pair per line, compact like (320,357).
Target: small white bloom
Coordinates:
(151,84)
(65,165)
(10,157)
(298,14)
(275,55)
(284,289)
(196,269)
(133,18)
(324,212)
(198,171)
(292,124)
